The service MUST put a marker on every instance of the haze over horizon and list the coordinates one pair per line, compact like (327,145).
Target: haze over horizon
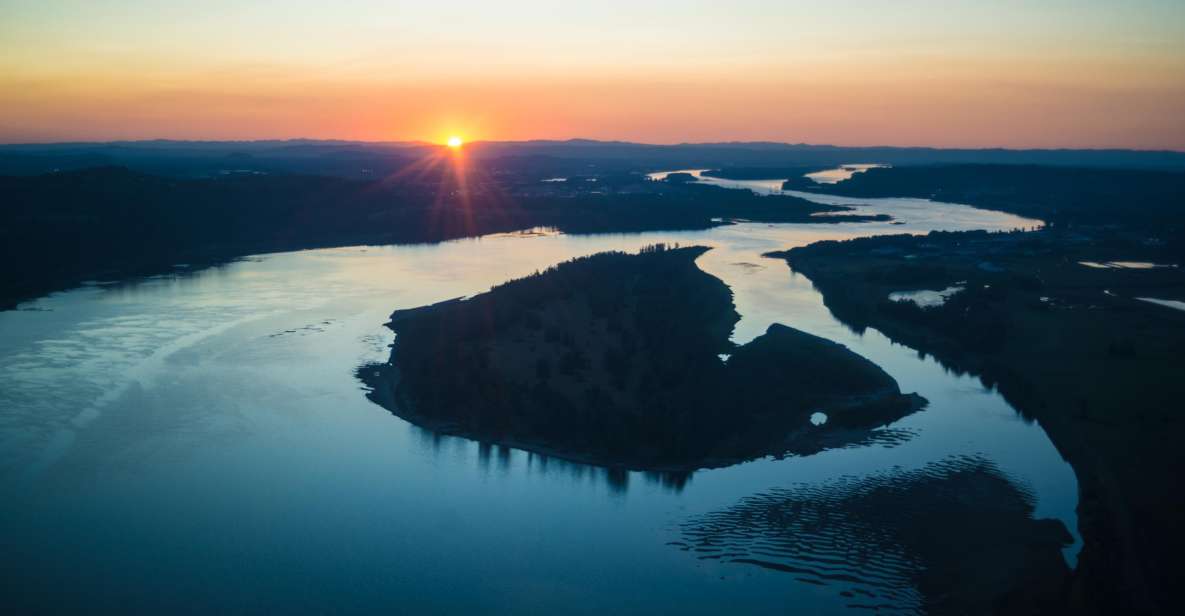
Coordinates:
(395,142)
(919,73)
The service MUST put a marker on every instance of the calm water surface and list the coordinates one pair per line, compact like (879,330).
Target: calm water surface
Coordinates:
(841,173)
(199,442)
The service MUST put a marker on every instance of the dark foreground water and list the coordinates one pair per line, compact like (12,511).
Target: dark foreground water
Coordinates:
(198,442)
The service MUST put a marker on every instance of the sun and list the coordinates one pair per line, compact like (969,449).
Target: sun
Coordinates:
(455,142)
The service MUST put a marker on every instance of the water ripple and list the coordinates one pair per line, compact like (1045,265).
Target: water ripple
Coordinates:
(897,541)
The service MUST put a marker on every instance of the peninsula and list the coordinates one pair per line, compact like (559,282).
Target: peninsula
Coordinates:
(1078,331)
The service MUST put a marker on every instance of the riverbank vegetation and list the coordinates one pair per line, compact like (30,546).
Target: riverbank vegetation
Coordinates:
(1149,199)
(1069,345)
(109,223)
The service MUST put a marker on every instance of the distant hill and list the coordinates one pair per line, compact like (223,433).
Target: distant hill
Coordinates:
(801,154)
(355,158)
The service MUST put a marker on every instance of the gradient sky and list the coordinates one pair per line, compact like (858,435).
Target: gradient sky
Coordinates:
(1055,73)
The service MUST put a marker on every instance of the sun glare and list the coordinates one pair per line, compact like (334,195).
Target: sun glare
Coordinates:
(455,142)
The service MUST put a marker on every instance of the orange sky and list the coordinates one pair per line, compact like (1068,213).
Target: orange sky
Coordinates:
(1071,74)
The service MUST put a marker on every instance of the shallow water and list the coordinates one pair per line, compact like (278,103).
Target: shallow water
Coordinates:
(200,442)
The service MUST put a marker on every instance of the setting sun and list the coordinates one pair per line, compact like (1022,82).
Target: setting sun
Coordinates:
(455,142)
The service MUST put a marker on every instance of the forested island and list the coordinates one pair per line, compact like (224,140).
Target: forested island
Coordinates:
(1054,320)
(616,360)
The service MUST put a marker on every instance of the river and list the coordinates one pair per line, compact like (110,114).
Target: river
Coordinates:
(198,442)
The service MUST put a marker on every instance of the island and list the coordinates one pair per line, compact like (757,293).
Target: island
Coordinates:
(624,361)
(793,178)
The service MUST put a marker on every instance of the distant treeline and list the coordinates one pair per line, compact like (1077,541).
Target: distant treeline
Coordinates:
(62,228)
(560,158)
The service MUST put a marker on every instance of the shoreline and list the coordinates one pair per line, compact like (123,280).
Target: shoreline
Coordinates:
(613,360)
(1062,352)
(384,397)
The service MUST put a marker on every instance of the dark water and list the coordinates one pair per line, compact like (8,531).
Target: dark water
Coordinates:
(199,442)
(935,538)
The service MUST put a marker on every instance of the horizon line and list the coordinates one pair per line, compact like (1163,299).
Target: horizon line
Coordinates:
(425,143)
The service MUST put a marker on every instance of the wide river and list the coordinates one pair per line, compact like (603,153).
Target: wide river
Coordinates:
(199,442)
